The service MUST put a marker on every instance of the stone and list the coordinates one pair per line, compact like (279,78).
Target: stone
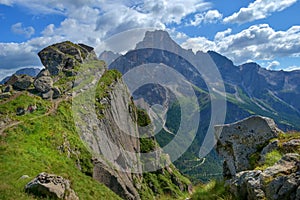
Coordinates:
(279,181)
(24,177)
(5,95)
(51,186)
(43,72)
(56,93)
(64,55)
(20,111)
(291,145)
(48,95)
(22,82)
(43,84)
(238,141)
(8,88)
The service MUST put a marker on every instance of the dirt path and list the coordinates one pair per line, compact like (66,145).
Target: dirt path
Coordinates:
(11,97)
(53,108)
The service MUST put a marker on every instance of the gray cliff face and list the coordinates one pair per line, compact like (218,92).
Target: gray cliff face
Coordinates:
(239,140)
(112,135)
(246,147)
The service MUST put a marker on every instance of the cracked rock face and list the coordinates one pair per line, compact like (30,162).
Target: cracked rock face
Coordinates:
(280,181)
(238,141)
(52,186)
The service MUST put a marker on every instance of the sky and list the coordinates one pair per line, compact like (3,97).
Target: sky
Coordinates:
(262,31)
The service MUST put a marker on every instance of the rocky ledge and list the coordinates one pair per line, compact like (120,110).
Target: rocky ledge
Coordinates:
(260,161)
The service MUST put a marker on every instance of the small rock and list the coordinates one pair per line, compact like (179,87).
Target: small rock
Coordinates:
(24,177)
(8,88)
(20,111)
(51,186)
(5,95)
(48,95)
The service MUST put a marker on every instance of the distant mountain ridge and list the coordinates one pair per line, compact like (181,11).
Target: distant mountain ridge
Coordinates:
(271,92)
(250,90)
(28,71)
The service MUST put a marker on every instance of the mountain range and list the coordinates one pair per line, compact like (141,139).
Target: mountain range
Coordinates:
(250,90)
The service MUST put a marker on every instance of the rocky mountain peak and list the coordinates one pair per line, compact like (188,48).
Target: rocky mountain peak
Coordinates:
(158,39)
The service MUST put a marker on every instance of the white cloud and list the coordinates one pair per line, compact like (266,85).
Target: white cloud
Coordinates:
(258,42)
(259,9)
(211,16)
(20,30)
(272,65)
(292,68)
(6,2)
(222,34)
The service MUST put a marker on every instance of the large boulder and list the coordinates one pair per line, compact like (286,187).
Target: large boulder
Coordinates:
(43,84)
(238,141)
(278,182)
(65,56)
(51,186)
(20,82)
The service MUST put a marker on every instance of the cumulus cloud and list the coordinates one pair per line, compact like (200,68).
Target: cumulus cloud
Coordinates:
(211,16)
(272,65)
(292,68)
(6,2)
(19,29)
(90,22)
(259,9)
(258,42)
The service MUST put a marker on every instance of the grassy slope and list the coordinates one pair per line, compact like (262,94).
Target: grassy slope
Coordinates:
(39,144)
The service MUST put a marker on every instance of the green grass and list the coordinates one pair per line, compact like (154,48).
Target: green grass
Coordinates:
(103,88)
(8,110)
(214,190)
(143,118)
(161,185)
(41,145)
(271,158)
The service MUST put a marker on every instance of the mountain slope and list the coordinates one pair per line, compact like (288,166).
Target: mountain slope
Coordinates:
(249,90)
(64,133)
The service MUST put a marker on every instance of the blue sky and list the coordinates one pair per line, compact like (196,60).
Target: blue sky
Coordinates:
(263,31)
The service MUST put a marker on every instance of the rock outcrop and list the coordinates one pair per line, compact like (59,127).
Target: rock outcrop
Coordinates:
(51,186)
(65,56)
(280,181)
(20,82)
(238,141)
(246,146)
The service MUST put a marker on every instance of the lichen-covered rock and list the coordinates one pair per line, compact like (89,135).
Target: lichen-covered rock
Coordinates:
(51,186)
(65,55)
(43,84)
(20,82)
(238,141)
(278,182)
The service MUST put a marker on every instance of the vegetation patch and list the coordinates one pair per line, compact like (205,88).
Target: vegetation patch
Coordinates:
(143,118)
(212,191)
(49,143)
